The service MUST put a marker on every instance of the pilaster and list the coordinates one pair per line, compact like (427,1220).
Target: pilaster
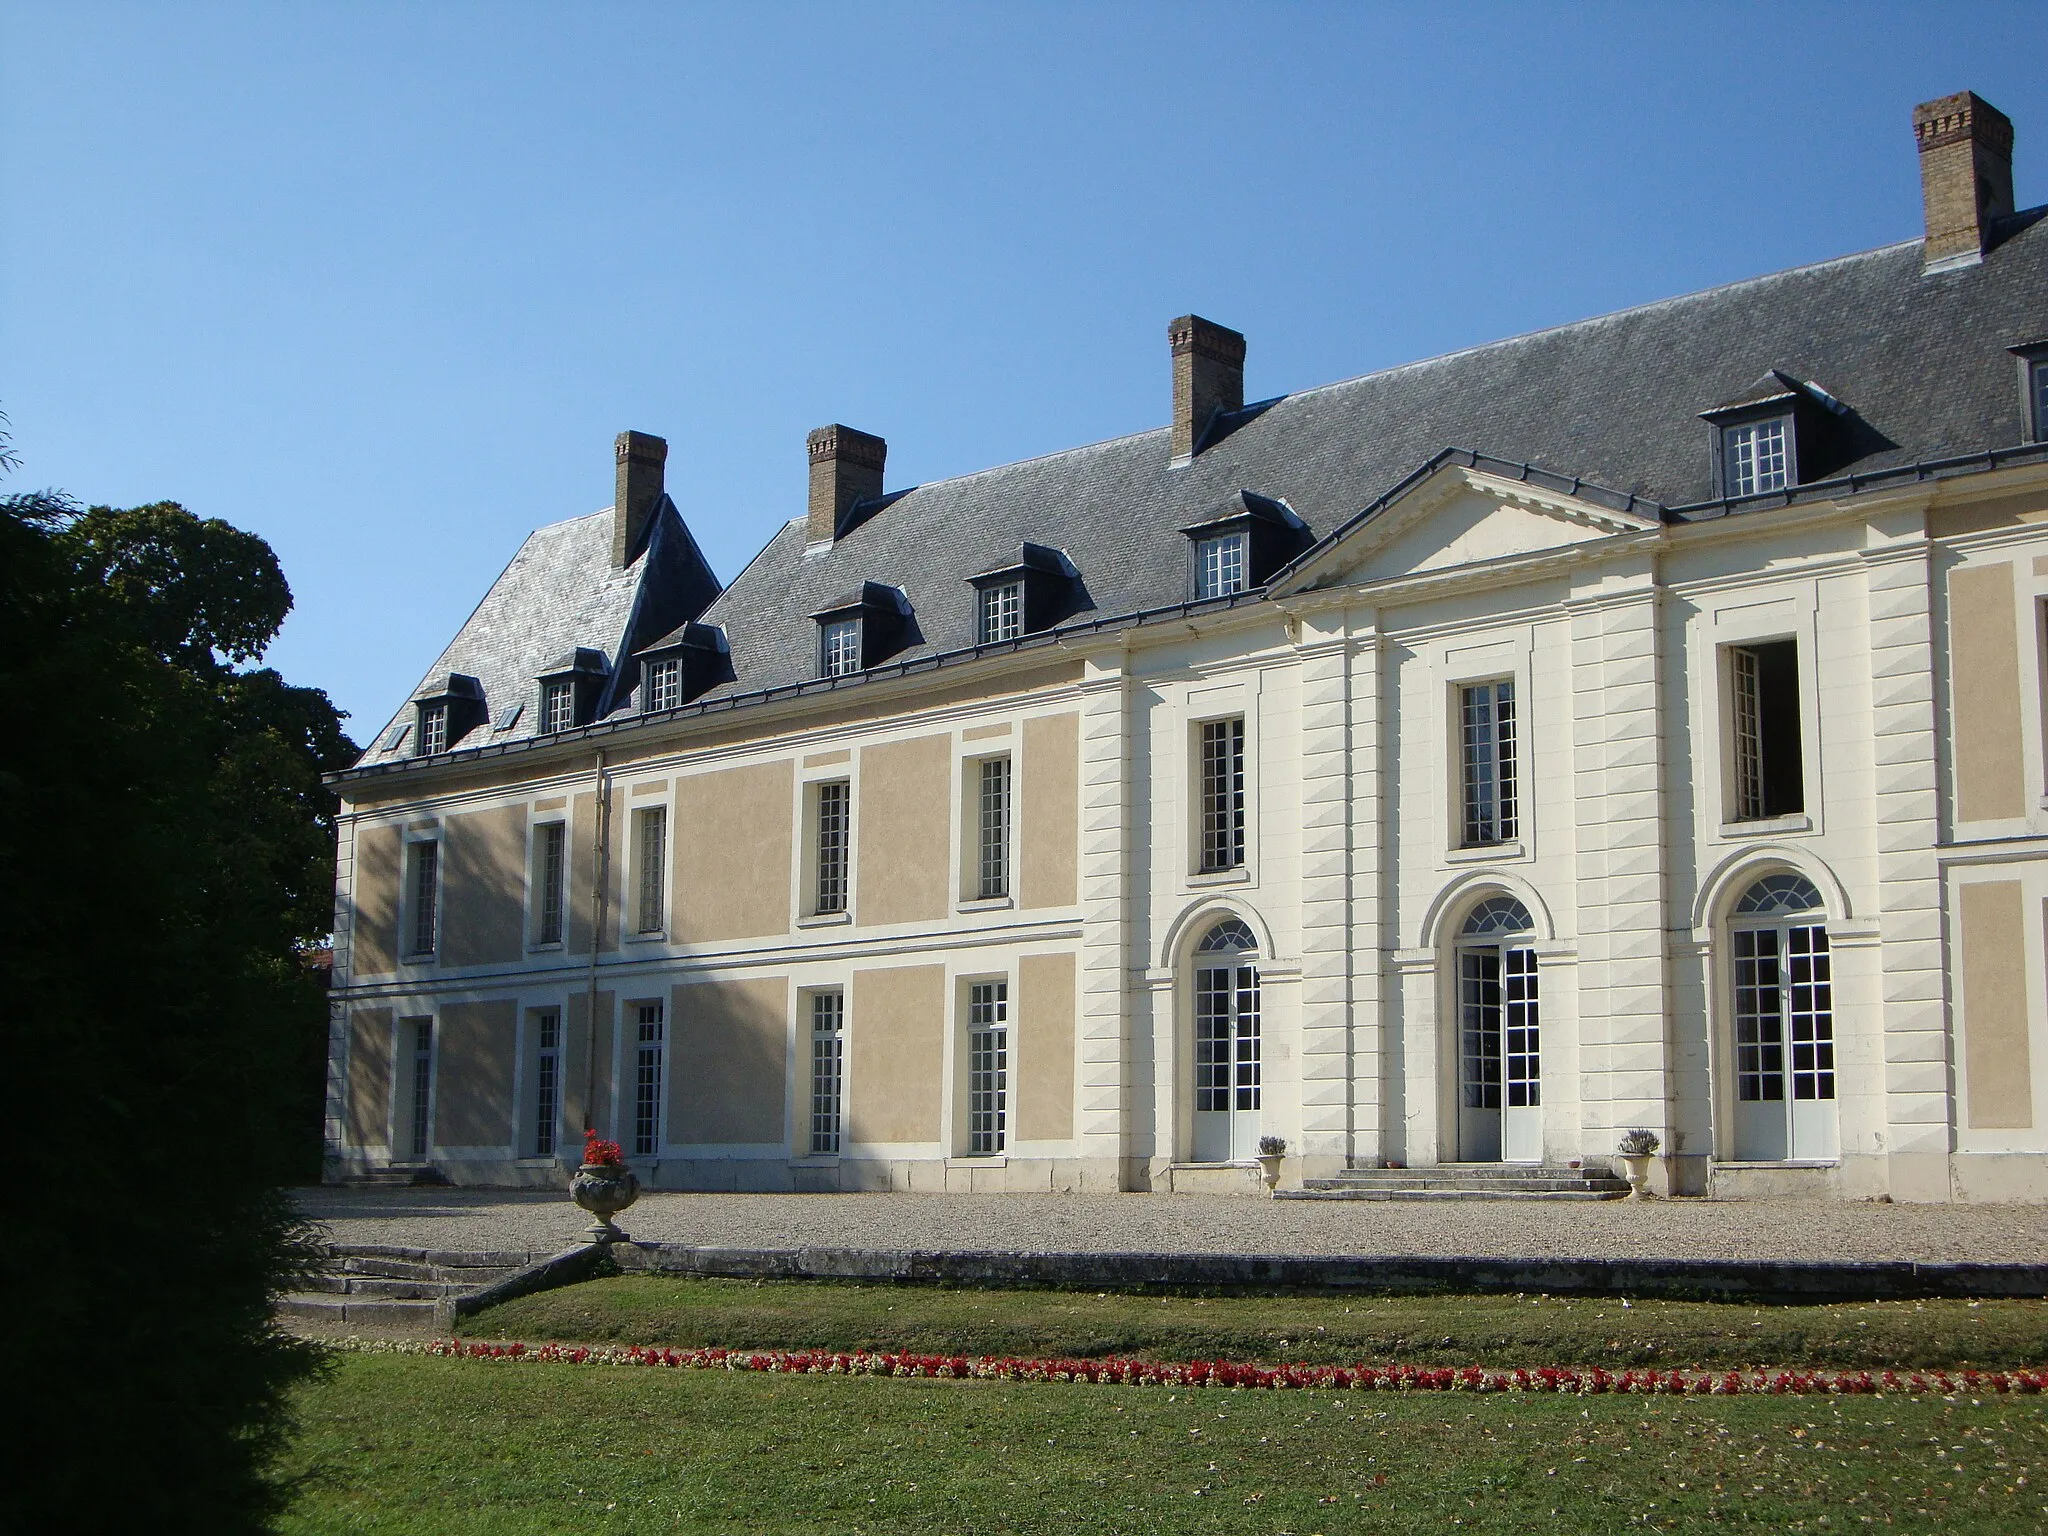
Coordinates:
(1103,1124)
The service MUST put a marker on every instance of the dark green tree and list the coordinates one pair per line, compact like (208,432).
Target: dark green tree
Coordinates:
(166,855)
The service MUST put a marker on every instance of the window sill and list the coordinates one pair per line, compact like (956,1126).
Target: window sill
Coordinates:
(652,936)
(824,920)
(552,947)
(424,957)
(1241,875)
(987,904)
(1481,853)
(1764,826)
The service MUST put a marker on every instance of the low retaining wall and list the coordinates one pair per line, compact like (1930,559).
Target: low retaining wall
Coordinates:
(1697,1279)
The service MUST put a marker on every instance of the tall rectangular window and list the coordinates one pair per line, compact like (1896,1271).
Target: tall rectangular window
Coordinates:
(433,729)
(557,706)
(1000,612)
(664,685)
(828,1068)
(988,1066)
(994,826)
(653,856)
(840,643)
(1764,735)
(647,1057)
(547,1080)
(1220,565)
(422,1085)
(551,859)
(1755,457)
(426,898)
(1223,794)
(1486,726)
(834,824)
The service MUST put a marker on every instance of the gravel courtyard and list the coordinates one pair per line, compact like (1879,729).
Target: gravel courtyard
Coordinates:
(496,1219)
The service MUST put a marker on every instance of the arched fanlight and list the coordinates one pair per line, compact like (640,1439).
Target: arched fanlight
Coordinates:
(1497,914)
(1227,937)
(1775,894)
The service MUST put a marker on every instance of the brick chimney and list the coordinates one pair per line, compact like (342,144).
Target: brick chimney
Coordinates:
(1965,176)
(846,467)
(1208,376)
(636,492)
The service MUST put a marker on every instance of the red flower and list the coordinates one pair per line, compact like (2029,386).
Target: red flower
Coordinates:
(605,1154)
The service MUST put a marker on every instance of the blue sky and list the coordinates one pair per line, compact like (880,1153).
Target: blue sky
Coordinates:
(381,282)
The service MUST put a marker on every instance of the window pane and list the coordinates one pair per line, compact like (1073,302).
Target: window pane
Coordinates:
(1755,457)
(832,838)
(557,707)
(1001,612)
(647,1082)
(426,895)
(828,1053)
(422,1083)
(554,838)
(547,1095)
(1223,794)
(653,866)
(2040,372)
(1219,566)
(433,729)
(988,1050)
(995,827)
(842,647)
(1487,743)
(664,685)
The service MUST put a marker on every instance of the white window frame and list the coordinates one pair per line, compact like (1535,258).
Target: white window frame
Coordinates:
(1488,751)
(1742,732)
(988,1066)
(538,900)
(544,1128)
(422,893)
(649,1093)
(557,707)
(1222,564)
(432,737)
(650,870)
(1231,843)
(999,612)
(839,647)
(422,1038)
(825,1055)
(1757,457)
(977,887)
(818,902)
(664,685)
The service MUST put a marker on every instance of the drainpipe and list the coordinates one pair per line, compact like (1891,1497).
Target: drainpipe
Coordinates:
(598,883)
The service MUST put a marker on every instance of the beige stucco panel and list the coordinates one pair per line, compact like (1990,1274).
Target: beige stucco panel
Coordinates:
(729,1061)
(1996,1068)
(1045,1047)
(1984,651)
(373,936)
(369,1076)
(473,1079)
(483,887)
(577,1045)
(901,823)
(732,842)
(1049,820)
(896,1037)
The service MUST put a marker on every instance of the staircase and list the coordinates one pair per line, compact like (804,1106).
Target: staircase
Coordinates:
(1464,1181)
(371,1283)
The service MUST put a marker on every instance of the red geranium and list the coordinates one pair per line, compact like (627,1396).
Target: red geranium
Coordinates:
(606,1154)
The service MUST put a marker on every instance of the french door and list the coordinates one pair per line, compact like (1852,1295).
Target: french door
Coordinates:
(1500,1056)
(1226,1062)
(1784,1045)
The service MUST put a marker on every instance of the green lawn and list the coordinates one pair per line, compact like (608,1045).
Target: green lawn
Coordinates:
(422,1446)
(1441,1330)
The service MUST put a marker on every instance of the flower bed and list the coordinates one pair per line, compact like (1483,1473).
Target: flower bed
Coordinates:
(1219,1373)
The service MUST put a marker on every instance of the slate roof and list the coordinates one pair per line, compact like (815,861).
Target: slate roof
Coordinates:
(1920,361)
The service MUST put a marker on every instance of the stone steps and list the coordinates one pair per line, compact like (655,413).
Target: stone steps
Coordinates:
(374,1283)
(1468,1181)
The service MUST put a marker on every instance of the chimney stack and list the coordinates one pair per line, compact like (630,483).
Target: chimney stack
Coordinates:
(636,492)
(1208,377)
(846,467)
(1965,176)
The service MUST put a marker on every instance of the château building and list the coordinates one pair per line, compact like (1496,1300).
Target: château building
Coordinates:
(1635,723)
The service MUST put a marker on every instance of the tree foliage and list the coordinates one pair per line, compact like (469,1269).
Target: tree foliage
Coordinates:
(165,852)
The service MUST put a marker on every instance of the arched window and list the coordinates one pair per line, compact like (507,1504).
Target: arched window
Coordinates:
(1227,1087)
(1500,1052)
(1784,1023)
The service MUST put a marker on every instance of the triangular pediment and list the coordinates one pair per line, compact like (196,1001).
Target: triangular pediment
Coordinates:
(1460,516)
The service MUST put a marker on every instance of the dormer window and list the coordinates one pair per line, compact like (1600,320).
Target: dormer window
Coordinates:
(664,684)
(839,641)
(1241,544)
(862,630)
(2033,360)
(999,612)
(2039,372)
(433,729)
(557,707)
(1220,565)
(1754,456)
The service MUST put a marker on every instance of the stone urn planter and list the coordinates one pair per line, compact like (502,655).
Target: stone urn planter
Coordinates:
(604,1186)
(1634,1152)
(1272,1151)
